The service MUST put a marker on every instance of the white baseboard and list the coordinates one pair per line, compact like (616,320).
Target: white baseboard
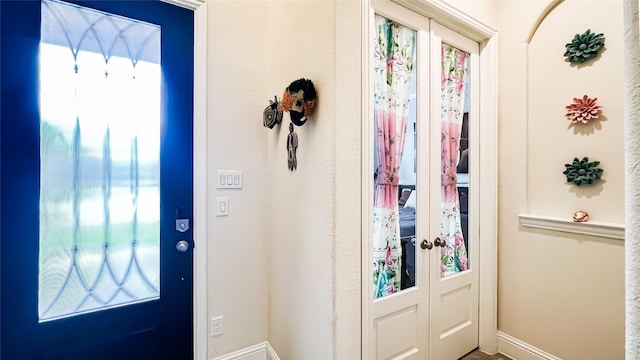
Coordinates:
(520,350)
(262,351)
(271,354)
(507,345)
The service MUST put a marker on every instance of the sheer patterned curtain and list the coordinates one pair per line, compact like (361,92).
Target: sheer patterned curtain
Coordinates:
(454,69)
(393,63)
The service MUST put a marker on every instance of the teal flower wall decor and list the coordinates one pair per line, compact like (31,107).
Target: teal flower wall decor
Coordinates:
(584,47)
(583,172)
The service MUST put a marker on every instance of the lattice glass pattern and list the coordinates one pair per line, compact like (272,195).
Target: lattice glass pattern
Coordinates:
(100,169)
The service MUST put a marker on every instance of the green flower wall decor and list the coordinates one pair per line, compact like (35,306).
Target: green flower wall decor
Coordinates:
(584,47)
(583,172)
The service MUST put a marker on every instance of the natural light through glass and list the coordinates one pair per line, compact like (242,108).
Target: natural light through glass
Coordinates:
(100,168)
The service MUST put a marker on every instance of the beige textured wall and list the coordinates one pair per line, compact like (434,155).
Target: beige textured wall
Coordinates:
(285,265)
(347,182)
(301,206)
(632,173)
(561,293)
(237,91)
(314,253)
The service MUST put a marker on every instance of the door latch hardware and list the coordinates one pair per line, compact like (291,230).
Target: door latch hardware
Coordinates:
(182,225)
(426,244)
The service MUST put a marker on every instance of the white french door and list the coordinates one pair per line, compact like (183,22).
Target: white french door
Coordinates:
(433,312)
(398,326)
(454,296)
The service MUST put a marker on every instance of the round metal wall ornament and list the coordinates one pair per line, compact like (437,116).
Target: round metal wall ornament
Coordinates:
(584,47)
(583,172)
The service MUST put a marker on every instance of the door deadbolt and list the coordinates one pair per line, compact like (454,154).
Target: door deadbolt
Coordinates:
(182,246)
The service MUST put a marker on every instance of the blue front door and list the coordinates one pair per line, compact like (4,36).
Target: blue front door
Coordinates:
(96,246)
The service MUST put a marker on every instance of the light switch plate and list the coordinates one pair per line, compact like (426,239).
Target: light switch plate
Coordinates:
(222,206)
(229,179)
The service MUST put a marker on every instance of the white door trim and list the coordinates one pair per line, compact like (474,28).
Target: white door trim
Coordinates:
(199,8)
(488,289)
(454,19)
(200,299)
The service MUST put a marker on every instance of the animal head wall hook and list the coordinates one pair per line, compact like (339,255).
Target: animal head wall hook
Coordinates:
(300,100)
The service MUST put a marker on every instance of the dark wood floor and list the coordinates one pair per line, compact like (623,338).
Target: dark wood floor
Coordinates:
(477,355)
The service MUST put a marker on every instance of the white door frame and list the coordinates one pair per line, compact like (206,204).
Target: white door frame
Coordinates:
(199,8)
(454,19)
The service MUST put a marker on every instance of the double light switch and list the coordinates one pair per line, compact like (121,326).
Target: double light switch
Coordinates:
(226,179)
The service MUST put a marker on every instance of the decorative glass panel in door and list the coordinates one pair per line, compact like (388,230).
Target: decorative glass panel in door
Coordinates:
(394,89)
(454,257)
(100,157)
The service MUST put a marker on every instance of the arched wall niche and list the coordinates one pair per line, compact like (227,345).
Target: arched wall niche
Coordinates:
(552,84)
(543,16)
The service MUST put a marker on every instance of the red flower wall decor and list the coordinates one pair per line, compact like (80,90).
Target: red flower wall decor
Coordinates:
(583,109)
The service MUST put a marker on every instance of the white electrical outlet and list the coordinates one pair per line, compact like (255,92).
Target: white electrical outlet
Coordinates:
(217,326)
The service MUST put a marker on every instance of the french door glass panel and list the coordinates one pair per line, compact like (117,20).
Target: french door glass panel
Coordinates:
(100,166)
(395,207)
(454,113)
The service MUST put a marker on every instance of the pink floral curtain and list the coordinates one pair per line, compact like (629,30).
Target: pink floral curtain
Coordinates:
(454,69)
(394,53)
